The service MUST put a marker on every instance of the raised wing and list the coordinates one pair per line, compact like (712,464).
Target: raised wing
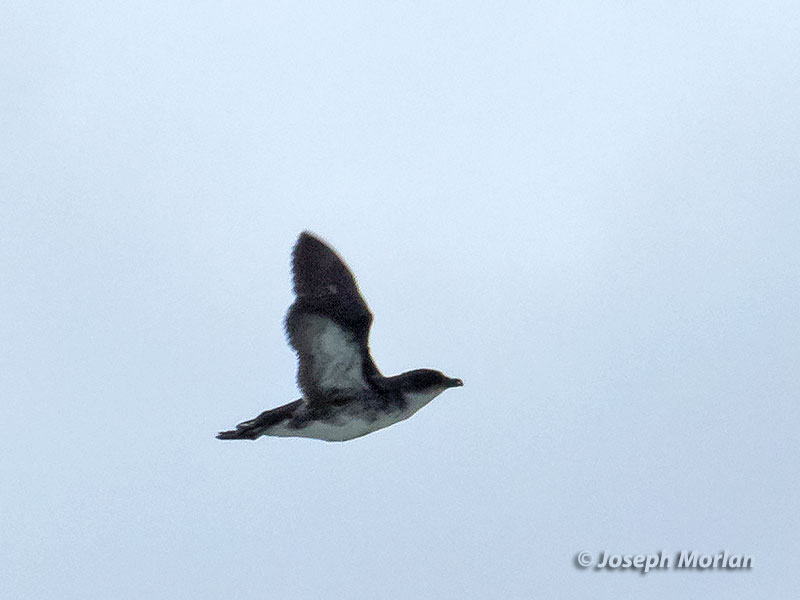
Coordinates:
(328,324)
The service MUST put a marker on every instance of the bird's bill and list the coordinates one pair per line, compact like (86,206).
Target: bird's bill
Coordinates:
(454,383)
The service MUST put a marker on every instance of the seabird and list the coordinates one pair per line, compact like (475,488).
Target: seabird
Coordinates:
(344,394)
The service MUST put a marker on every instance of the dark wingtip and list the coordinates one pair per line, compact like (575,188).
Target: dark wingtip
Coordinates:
(315,264)
(239,434)
(307,236)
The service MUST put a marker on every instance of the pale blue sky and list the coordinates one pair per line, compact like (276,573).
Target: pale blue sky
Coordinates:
(588,211)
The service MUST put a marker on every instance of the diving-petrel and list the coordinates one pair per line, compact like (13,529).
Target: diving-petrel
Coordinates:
(344,394)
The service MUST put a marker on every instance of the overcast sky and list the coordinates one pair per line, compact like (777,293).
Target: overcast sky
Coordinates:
(589,212)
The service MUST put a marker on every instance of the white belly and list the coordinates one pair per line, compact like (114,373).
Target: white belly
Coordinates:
(337,431)
(347,427)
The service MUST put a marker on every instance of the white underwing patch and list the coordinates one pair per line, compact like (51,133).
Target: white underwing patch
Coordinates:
(337,358)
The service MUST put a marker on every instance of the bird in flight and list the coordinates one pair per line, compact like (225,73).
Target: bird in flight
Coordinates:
(344,394)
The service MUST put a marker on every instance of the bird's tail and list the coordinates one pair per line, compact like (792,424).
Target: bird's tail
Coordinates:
(255,428)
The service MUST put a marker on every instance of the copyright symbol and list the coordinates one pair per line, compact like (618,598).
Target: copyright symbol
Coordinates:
(583,559)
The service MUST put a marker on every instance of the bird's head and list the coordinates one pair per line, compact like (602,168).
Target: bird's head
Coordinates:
(422,380)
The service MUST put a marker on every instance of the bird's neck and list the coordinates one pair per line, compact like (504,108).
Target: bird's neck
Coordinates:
(418,399)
